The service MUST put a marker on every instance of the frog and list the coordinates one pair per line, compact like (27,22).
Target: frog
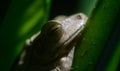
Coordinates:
(53,48)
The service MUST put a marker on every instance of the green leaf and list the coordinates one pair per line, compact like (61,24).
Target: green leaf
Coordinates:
(86,6)
(113,63)
(23,19)
(98,30)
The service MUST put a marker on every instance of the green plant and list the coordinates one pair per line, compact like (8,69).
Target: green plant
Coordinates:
(23,19)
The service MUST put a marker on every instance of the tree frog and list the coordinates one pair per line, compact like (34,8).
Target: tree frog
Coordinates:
(52,49)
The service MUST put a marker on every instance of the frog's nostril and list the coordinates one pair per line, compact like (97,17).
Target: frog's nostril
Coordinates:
(79,17)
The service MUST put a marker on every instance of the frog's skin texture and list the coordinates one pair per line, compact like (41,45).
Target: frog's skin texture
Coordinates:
(52,49)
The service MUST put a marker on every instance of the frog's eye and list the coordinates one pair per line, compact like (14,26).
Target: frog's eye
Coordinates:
(52,31)
(54,28)
(79,17)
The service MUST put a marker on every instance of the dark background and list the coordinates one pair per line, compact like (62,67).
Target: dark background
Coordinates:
(63,7)
(4,5)
(58,7)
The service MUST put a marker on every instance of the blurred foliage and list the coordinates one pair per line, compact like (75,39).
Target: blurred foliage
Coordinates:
(23,19)
(97,37)
(113,64)
(86,6)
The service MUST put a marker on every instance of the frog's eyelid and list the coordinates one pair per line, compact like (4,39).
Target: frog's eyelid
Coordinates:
(56,27)
(53,26)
